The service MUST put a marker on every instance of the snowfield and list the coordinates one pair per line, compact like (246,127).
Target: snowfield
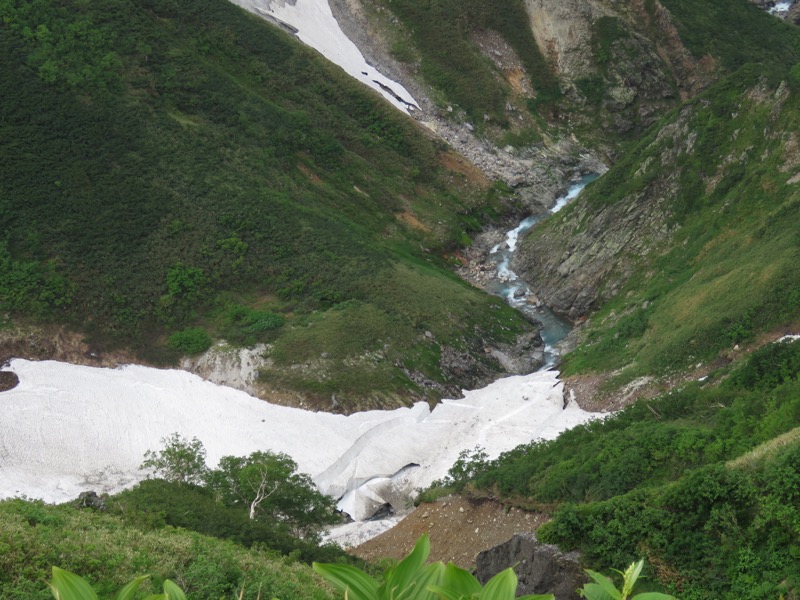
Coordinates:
(67,428)
(314,24)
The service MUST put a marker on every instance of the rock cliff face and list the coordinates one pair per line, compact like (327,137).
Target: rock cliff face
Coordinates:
(563,31)
(540,568)
(623,63)
(573,273)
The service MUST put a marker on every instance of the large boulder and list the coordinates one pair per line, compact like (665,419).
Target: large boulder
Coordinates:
(541,568)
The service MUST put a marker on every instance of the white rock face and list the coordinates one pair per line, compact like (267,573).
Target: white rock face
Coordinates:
(68,428)
(316,26)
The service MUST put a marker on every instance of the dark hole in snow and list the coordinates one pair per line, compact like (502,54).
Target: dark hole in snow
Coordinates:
(385,510)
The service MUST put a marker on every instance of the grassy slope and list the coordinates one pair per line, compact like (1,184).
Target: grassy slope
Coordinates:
(167,163)
(439,37)
(108,553)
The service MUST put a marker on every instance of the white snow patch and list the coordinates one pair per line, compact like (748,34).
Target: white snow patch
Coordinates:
(317,27)
(68,428)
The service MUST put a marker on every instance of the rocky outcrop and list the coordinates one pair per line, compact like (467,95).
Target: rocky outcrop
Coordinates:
(536,174)
(563,31)
(90,500)
(540,568)
(574,273)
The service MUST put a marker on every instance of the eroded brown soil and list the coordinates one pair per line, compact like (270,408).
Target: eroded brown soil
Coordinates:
(459,529)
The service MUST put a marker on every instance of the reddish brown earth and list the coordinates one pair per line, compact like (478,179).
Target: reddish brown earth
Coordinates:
(459,529)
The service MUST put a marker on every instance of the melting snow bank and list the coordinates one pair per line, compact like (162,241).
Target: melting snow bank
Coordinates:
(314,24)
(68,428)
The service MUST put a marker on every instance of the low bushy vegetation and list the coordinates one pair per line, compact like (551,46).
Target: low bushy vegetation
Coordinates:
(452,62)
(260,498)
(109,553)
(172,166)
(703,481)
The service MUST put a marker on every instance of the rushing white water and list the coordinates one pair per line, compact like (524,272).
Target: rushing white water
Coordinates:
(314,24)
(780,7)
(507,284)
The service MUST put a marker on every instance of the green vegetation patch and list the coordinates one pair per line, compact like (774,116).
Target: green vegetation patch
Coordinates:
(660,479)
(731,269)
(735,32)
(451,61)
(109,553)
(167,165)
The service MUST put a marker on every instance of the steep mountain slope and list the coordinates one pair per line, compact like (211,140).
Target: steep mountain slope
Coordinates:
(688,246)
(185,168)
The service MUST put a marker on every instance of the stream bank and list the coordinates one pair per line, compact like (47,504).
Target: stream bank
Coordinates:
(486,264)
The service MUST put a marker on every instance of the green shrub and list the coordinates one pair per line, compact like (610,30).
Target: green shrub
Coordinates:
(192,340)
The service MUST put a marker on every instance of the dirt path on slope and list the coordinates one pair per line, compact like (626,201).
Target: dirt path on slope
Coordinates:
(459,529)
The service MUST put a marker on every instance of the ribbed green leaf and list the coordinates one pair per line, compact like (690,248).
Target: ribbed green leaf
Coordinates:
(129,590)
(502,586)
(608,586)
(68,586)
(593,591)
(418,587)
(350,580)
(444,593)
(460,581)
(398,579)
(537,597)
(653,596)
(172,591)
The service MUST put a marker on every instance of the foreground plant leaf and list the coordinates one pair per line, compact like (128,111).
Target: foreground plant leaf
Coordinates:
(353,582)
(68,586)
(128,592)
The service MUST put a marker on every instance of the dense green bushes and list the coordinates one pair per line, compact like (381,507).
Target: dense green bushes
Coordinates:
(156,503)
(206,170)
(109,553)
(721,532)
(703,481)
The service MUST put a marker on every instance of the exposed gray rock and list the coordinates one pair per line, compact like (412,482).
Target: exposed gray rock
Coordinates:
(535,174)
(574,273)
(540,568)
(90,500)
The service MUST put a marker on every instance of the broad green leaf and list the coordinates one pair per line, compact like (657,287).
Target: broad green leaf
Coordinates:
(443,593)
(653,596)
(398,578)
(418,587)
(537,597)
(129,590)
(172,591)
(68,586)
(157,597)
(593,591)
(502,586)
(460,581)
(348,579)
(605,583)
